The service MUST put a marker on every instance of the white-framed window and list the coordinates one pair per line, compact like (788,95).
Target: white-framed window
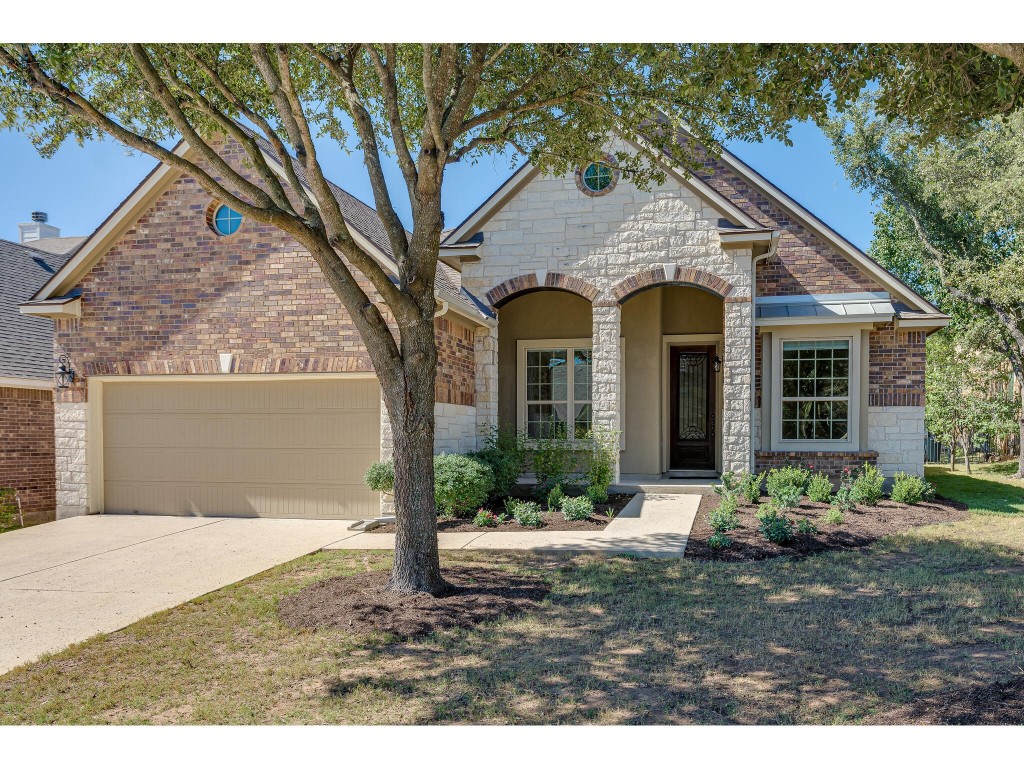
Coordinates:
(555,388)
(815,389)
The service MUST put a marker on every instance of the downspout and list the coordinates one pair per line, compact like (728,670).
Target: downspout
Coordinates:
(773,247)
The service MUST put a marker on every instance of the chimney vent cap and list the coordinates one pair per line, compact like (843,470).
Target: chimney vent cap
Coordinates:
(40,217)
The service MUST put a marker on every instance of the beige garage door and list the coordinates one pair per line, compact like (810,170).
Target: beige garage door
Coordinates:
(267,449)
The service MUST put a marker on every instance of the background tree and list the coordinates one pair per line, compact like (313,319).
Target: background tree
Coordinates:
(952,216)
(430,106)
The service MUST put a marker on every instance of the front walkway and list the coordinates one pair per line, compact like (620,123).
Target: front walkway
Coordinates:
(651,525)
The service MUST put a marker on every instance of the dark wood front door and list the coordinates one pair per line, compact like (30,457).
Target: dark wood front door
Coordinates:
(692,408)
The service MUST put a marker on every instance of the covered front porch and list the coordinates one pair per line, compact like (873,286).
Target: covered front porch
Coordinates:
(665,363)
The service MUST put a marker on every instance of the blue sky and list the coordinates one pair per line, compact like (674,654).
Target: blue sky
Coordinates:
(80,186)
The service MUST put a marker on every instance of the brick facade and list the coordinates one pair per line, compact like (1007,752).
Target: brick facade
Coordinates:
(456,368)
(26,450)
(896,369)
(832,463)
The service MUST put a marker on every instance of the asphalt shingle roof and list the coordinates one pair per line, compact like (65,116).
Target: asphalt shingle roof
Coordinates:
(26,342)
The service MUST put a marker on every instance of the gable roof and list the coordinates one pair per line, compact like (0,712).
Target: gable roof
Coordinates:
(458,237)
(364,223)
(26,343)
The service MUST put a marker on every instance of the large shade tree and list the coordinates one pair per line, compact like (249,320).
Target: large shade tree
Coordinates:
(428,106)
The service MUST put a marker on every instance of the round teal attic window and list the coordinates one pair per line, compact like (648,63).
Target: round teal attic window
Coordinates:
(597,177)
(226,221)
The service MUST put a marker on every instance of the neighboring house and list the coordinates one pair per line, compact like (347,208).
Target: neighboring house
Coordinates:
(218,374)
(26,367)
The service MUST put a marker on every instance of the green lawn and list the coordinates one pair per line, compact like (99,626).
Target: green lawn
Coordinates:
(988,490)
(830,639)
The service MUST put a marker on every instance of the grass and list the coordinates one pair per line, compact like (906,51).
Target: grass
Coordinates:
(988,490)
(829,639)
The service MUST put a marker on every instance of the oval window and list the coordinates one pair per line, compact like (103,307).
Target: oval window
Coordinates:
(226,221)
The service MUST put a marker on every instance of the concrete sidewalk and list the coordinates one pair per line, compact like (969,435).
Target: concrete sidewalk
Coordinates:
(653,525)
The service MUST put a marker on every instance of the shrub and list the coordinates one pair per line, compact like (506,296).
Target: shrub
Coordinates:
(380,477)
(819,488)
(485,518)
(910,489)
(786,497)
(577,507)
(552,460)
(719,540)
(788,477)
(602,446)
(775,526)
(834,516)
(867,485)
(730,484)
(843,499)
(750,486)
(505,453)
(723,517)
(555,497)
(525,512)
(806,527)
(461,483)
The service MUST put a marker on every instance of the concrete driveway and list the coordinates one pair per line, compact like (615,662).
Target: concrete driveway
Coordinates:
(63,582)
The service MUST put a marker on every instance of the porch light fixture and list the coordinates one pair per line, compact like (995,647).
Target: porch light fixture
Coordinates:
(718,364)
(65,375)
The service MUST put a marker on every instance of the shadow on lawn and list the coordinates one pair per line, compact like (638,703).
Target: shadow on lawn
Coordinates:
(982,495)
(828,639)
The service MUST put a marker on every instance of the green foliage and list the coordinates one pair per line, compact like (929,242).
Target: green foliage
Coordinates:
(724,517)
(505,453)
(786,497)
(731,483)
(598,457)
(553,458)
(526,513)
(775,525)
(380,477)
(834,516)
(806,527)
(843,499)
(819,488)
(910,489)
(867,485)
(750,486)
(719,540)
(790,476)
(577,507)
(484,518)
(8,507)
(461,483)
(555,497)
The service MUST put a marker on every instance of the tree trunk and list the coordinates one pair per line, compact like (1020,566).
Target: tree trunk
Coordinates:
(952,457)
(967,455)
(409,400)
(1020,444)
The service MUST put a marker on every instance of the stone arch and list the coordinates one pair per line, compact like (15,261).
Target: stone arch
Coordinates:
(538,281)
(659,275)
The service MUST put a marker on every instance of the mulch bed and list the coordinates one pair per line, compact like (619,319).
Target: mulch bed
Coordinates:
(1000,703)
(861,527)
(552,521)
(362,604)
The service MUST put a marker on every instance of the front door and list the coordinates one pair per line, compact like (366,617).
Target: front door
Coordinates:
(692,408)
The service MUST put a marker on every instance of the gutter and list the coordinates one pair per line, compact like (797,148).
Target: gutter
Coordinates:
(773,247)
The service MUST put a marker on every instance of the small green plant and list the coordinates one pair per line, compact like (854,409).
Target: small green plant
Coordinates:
(730,484)
(461,483)
(485,518)
(8,507)
(910,489)
(867,485)
(806,527)
(775,526)
(380,477)
(505,453)
(750,486)
(834,516)
(819,488)
(843,498)
(723,517)
(552,459)
(555,498)
(526,513)
(601,449)
(577,507)
(790,476)
(719,540)
(766,509)
(786,497)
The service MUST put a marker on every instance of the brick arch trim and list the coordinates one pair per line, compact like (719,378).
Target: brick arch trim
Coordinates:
(680,275)
(509,289)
